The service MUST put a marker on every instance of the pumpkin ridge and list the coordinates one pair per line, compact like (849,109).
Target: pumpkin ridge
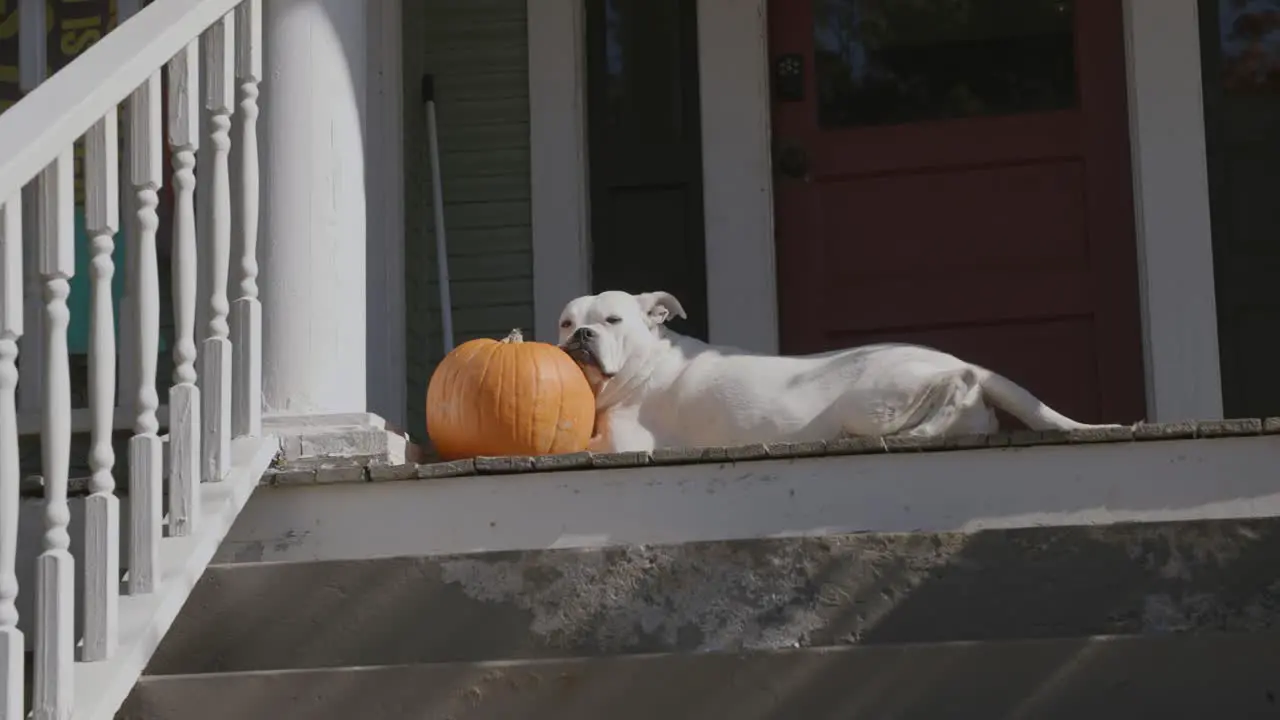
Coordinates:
(529,420)
(543,443)
(503,394)
(459,389)
(437,395)
(480,417)
(435,391)
(519,381)
(513,396)
(555,428)
(510,395)
(517,391)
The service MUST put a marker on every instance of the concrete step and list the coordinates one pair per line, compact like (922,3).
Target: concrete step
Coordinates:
(1218,675)
(869,589)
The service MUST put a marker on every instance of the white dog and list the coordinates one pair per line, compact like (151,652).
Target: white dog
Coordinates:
(657,388)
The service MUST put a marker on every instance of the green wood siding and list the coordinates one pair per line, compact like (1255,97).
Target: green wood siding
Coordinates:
(478,52)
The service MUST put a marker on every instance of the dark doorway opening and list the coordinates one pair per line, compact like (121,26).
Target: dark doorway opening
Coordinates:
(645,147)
(1240,55)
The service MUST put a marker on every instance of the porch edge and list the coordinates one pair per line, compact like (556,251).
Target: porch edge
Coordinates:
(291,473)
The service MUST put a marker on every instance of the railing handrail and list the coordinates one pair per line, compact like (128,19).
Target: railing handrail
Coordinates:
(208,481)
(63,108)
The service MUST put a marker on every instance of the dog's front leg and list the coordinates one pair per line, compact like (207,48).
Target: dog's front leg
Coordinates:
(620,431)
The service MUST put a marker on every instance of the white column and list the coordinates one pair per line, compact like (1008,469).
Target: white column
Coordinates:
(313,231)
(1171,203)
(737,195)
(558,159)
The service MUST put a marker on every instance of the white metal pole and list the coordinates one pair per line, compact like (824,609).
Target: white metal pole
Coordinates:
(437,200)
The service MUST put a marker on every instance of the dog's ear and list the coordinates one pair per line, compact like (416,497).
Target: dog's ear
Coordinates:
(659,306)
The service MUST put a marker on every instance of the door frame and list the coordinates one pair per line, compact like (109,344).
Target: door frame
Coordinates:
(737,179)
(677,162)
(1167,150)
(1171,207)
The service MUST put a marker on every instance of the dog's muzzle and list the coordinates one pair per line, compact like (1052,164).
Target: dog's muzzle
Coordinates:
(578,347)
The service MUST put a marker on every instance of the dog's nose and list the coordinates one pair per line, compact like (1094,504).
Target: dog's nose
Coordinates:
(584,334)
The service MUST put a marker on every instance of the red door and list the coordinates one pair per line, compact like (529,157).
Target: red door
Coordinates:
(956,173)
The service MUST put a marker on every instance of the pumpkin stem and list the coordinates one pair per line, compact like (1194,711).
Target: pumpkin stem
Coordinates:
(514,337)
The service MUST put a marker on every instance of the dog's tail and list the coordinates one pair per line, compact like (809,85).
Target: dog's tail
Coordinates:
(1020,403)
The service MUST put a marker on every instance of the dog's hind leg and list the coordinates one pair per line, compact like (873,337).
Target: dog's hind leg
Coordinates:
(955,407)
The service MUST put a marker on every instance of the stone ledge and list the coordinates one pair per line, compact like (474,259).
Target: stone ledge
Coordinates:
(339,442)
(1208,429)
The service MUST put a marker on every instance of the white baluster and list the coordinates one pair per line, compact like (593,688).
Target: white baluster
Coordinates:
(219,45)
(32,69)
(55,568)
(102,508)
(184,396)
(145,447)
(127,349)
(11,640)
(246,313)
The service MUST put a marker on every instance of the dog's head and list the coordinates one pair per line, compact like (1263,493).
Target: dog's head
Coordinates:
(603,332)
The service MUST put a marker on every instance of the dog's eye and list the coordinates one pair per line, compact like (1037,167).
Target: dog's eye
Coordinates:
(613,319)
(566,324)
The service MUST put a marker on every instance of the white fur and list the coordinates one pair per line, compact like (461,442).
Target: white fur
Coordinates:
(657,388)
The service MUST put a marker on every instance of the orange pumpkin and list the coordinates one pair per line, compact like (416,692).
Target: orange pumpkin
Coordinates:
(508,397)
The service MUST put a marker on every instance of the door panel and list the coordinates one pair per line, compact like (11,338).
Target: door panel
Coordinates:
(1017,349)
(955,172)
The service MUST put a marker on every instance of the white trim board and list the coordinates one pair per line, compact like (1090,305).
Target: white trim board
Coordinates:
(1180,335)
(558,160)
(737,185)
(737,180)
(384,177)
(1171,208)
(957,491)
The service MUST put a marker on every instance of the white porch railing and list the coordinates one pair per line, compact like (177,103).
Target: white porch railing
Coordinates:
(209,475)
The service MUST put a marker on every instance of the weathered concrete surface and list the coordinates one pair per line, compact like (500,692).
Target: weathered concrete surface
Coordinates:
(751,594)
(1219,675)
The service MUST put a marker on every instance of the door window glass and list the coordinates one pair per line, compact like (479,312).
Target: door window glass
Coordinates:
(881,62)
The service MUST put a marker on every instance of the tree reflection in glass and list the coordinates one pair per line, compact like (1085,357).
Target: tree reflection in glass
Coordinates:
(881,62)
